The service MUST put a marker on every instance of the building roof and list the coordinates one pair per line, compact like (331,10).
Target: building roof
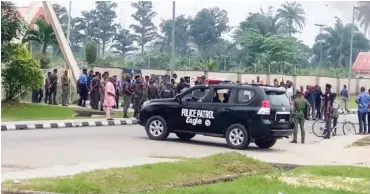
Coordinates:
(362,63)
(32,13)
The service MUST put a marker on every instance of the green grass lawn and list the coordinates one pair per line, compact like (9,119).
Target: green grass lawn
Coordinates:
(161,175)
(351,104)
(165,178)
(27,111)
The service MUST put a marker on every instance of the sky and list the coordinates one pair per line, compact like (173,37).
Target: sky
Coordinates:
(317,12)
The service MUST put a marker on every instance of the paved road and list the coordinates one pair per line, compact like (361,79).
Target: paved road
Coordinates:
(125,145)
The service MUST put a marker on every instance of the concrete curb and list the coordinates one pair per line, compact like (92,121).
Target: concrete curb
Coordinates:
(68,124)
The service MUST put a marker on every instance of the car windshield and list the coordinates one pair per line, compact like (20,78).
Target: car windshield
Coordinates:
(278,99)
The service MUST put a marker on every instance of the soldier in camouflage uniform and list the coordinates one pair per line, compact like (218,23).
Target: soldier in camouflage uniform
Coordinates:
(298,114)
(139,96)
(65,88)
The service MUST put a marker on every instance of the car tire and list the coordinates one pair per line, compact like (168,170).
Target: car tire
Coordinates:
(237,137)
(265,143)
(156,128)
(185,136)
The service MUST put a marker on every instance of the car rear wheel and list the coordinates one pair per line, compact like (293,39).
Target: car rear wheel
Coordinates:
(156,128)
(265,143)
(237,137)
(185,136)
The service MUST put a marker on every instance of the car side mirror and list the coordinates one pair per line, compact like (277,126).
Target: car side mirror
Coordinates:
(178,99)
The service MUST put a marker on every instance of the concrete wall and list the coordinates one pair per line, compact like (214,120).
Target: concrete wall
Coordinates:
(337,83)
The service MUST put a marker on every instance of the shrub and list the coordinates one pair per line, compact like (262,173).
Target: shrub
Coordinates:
(22,73)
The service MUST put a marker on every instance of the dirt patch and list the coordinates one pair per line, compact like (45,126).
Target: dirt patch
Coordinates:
(362,142)
(360,185)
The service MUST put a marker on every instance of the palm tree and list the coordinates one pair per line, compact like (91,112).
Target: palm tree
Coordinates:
(335,42)
(42,34)
(291,17)
(122,42)
(364,15)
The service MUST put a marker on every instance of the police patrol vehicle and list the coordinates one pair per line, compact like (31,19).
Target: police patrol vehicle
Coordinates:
(241,114)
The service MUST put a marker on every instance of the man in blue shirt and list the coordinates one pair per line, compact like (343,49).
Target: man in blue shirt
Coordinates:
(344,96)
(363,100)
(83,88)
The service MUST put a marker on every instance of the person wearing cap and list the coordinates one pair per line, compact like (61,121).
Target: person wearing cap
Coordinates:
(300,103)
(328,109)
(65,88)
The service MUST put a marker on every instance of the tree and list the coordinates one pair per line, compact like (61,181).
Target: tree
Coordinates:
(62,14)
(182,25)
(91,53)
(43,34)
(12,22)
(264,23)
(22,73)
(291,17)
(207,27)
(145,31)
(12,26)
(122,43)
(106,14)
(335,43)
(364,15)
(281,53)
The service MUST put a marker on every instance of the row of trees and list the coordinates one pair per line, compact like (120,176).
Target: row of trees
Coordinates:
(20,71)
(263,42)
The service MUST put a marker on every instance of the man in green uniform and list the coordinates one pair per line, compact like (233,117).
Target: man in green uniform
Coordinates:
(95,91)
(65,88)
(138,96)
(298,114)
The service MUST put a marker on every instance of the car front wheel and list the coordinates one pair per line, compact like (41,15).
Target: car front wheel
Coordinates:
(237,137)
(265,143)
(185,136)
(156,128)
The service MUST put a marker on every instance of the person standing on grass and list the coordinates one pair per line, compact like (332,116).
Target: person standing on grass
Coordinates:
(95,91)
(65,88)
(83,88)
(102,86)
(109,97)
(127,95)
(344,96)
(53,87)
(363,100)
(47,88)
(117,86)
(368,115)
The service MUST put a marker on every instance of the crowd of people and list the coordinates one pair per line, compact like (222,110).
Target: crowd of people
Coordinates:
(104,93)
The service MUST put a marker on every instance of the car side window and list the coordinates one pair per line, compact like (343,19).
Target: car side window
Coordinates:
(221,95)
(245,96)
(197,95)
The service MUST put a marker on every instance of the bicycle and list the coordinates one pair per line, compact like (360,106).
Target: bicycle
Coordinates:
(347,126)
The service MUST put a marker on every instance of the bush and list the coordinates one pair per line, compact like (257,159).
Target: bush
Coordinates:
(22,73)
(44,60)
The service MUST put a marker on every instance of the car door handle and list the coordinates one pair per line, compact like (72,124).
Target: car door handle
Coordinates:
(227,109)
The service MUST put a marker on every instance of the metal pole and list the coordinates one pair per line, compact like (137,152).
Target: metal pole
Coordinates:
(69,23)
(225,64)
(350,51)
(173,39)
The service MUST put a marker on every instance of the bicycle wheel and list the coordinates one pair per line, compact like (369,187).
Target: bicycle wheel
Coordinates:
(318,128)
(349,128)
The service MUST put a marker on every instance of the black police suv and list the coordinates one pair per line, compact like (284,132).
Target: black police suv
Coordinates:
(239,113)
